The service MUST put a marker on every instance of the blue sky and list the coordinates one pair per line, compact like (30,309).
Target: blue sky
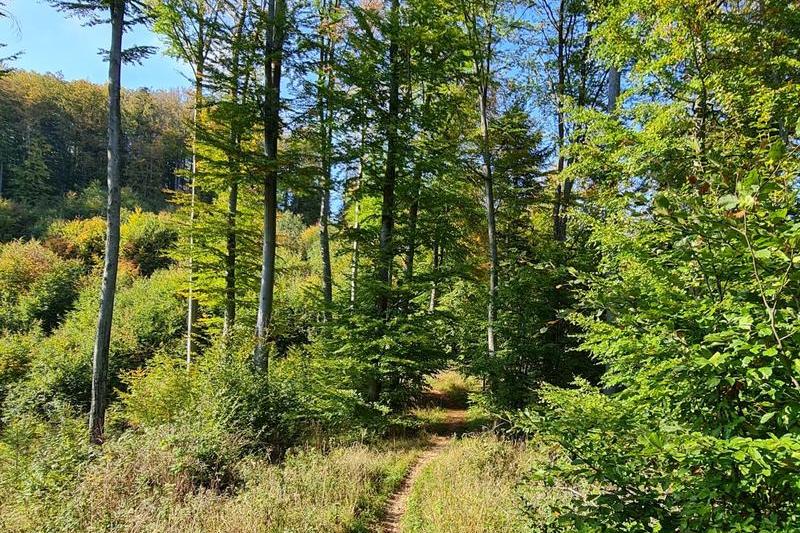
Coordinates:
(52,42)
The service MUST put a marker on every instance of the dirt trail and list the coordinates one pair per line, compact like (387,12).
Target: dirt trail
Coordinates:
(396,507)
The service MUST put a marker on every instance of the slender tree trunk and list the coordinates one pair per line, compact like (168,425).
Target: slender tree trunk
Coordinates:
(97,410)
(233,189)
(356,227)
(437,261)
(230,257)
(489,205)
(272,98)
(325,103)
(324,240)
(413,216)
(1,179)
(614,79)
(191,307)
(325,185)
(560,205)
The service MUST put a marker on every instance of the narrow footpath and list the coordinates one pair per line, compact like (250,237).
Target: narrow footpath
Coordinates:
(454,424)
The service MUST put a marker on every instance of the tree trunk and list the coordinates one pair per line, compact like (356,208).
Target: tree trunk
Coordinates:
(438,253)
(413,216)
(356,227)
(191,306)
(325,102)
(614,79)
(559,207)
(1,180)
(230,257)
(272,98)
(233,189)
(488,198)
(99,400)
(325,185)
(386,252)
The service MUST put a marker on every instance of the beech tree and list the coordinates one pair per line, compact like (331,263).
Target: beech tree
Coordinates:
(121,14)
(274,40)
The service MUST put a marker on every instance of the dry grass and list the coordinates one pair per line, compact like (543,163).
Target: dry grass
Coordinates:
(344,490)
(156,482)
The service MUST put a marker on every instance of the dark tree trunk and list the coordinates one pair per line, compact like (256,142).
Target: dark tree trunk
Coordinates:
(614,79)
(325,103)
(413,216)
(102,343)
(233,189)
(386,252)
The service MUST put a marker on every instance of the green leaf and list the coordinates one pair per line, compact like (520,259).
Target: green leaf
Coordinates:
(728,201)
(776,151)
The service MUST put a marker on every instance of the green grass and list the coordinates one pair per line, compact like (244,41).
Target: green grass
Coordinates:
(453,388)
(478,484)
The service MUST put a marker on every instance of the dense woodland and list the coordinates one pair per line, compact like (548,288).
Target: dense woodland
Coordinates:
(579,218)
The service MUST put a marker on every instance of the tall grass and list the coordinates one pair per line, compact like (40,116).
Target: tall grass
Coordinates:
(476,485)
(156,481)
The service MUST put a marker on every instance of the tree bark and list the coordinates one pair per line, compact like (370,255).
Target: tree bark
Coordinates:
(413,217)
(102,343)
(233,189)
(325,102)
(489,205)
(438,253)
(356,227)
(272,98)
(614,79)
(386,251)
(191,308)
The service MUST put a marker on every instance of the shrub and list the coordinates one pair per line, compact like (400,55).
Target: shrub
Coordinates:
(40,467)
(78,239)
(15,354)
(14,220)
(35,285)
(148,318)
(147,240)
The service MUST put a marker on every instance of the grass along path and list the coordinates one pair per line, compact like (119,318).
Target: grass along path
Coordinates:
(454,422)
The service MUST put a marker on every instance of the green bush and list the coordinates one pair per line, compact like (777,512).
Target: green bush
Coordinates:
(78,239)
(148,318)
(40,467)
(307,398)
(147,240)
(35,286)
(15,356)
(698,429)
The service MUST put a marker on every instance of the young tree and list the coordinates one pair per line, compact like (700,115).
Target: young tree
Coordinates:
(189,27)
(481,19)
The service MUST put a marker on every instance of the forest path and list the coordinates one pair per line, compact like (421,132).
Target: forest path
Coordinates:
(454,423)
